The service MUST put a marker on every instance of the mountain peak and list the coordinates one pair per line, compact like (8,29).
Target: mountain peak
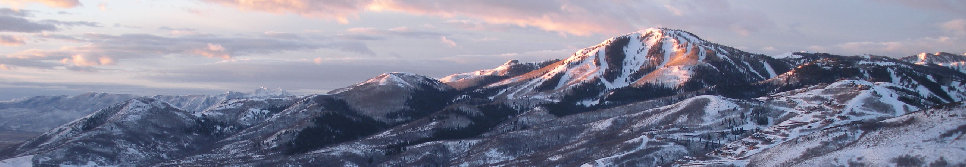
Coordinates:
(270,92)
(511,62)
(402,79)
(398,79)
(653,57)
(939,58)
(620,61)
(660,31)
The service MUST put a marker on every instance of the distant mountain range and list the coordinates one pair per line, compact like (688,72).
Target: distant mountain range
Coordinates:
(656,97)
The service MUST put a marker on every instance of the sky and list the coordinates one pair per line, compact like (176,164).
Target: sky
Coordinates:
(178,47)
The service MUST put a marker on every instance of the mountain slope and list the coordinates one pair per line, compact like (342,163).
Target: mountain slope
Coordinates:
(136,132)
(396,97)
(936,84)
(932,137)
(42,113)
(319,121)
(476,79)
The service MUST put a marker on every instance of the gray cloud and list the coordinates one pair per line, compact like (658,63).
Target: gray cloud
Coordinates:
(19,24)
(566,16)
(72,23)
(950,6)
(17,89)
(176,29)
(368,33)
(46,36)
(891,48)
(339,10)
(16,21)
(7,40)
(109,49)
(17,13)
(302,75)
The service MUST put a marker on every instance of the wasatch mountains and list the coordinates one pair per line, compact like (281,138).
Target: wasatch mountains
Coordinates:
(656,97)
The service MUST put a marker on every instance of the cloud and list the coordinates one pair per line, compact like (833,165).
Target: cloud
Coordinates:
(330,73)
(18,24)
(101,49)
(369,33)
(51,3)
(72,23)
(86,61)
(476,25)
(17,13)
(46,36)
(956,27)
(577,17)
(318,60)
(339,10)
(213,51)
(447,41)
(590,17)
(949,6)
(16,89)
(573,17)
(7,40)
(897,48)
(4,67)
(16,21)
(488,60)
(179,31)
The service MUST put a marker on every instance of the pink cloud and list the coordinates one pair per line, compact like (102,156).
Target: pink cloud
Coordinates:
(451,43)
(318,60)
(102,49)
(339,10)
(574,17)
(51,3)
(213,51)
(86,61)
(7,40)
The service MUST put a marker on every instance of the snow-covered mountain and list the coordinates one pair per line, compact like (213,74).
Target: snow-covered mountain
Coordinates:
(476,79)
(656,97)
(658,61)
(42,113)
(136,132)
(954,61)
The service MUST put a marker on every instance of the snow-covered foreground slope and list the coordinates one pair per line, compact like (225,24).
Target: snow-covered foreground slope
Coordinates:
(932,137)
(687,132)
(657,97)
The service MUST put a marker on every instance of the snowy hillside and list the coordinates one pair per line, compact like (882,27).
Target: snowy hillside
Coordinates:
(136,132)
(929,138)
